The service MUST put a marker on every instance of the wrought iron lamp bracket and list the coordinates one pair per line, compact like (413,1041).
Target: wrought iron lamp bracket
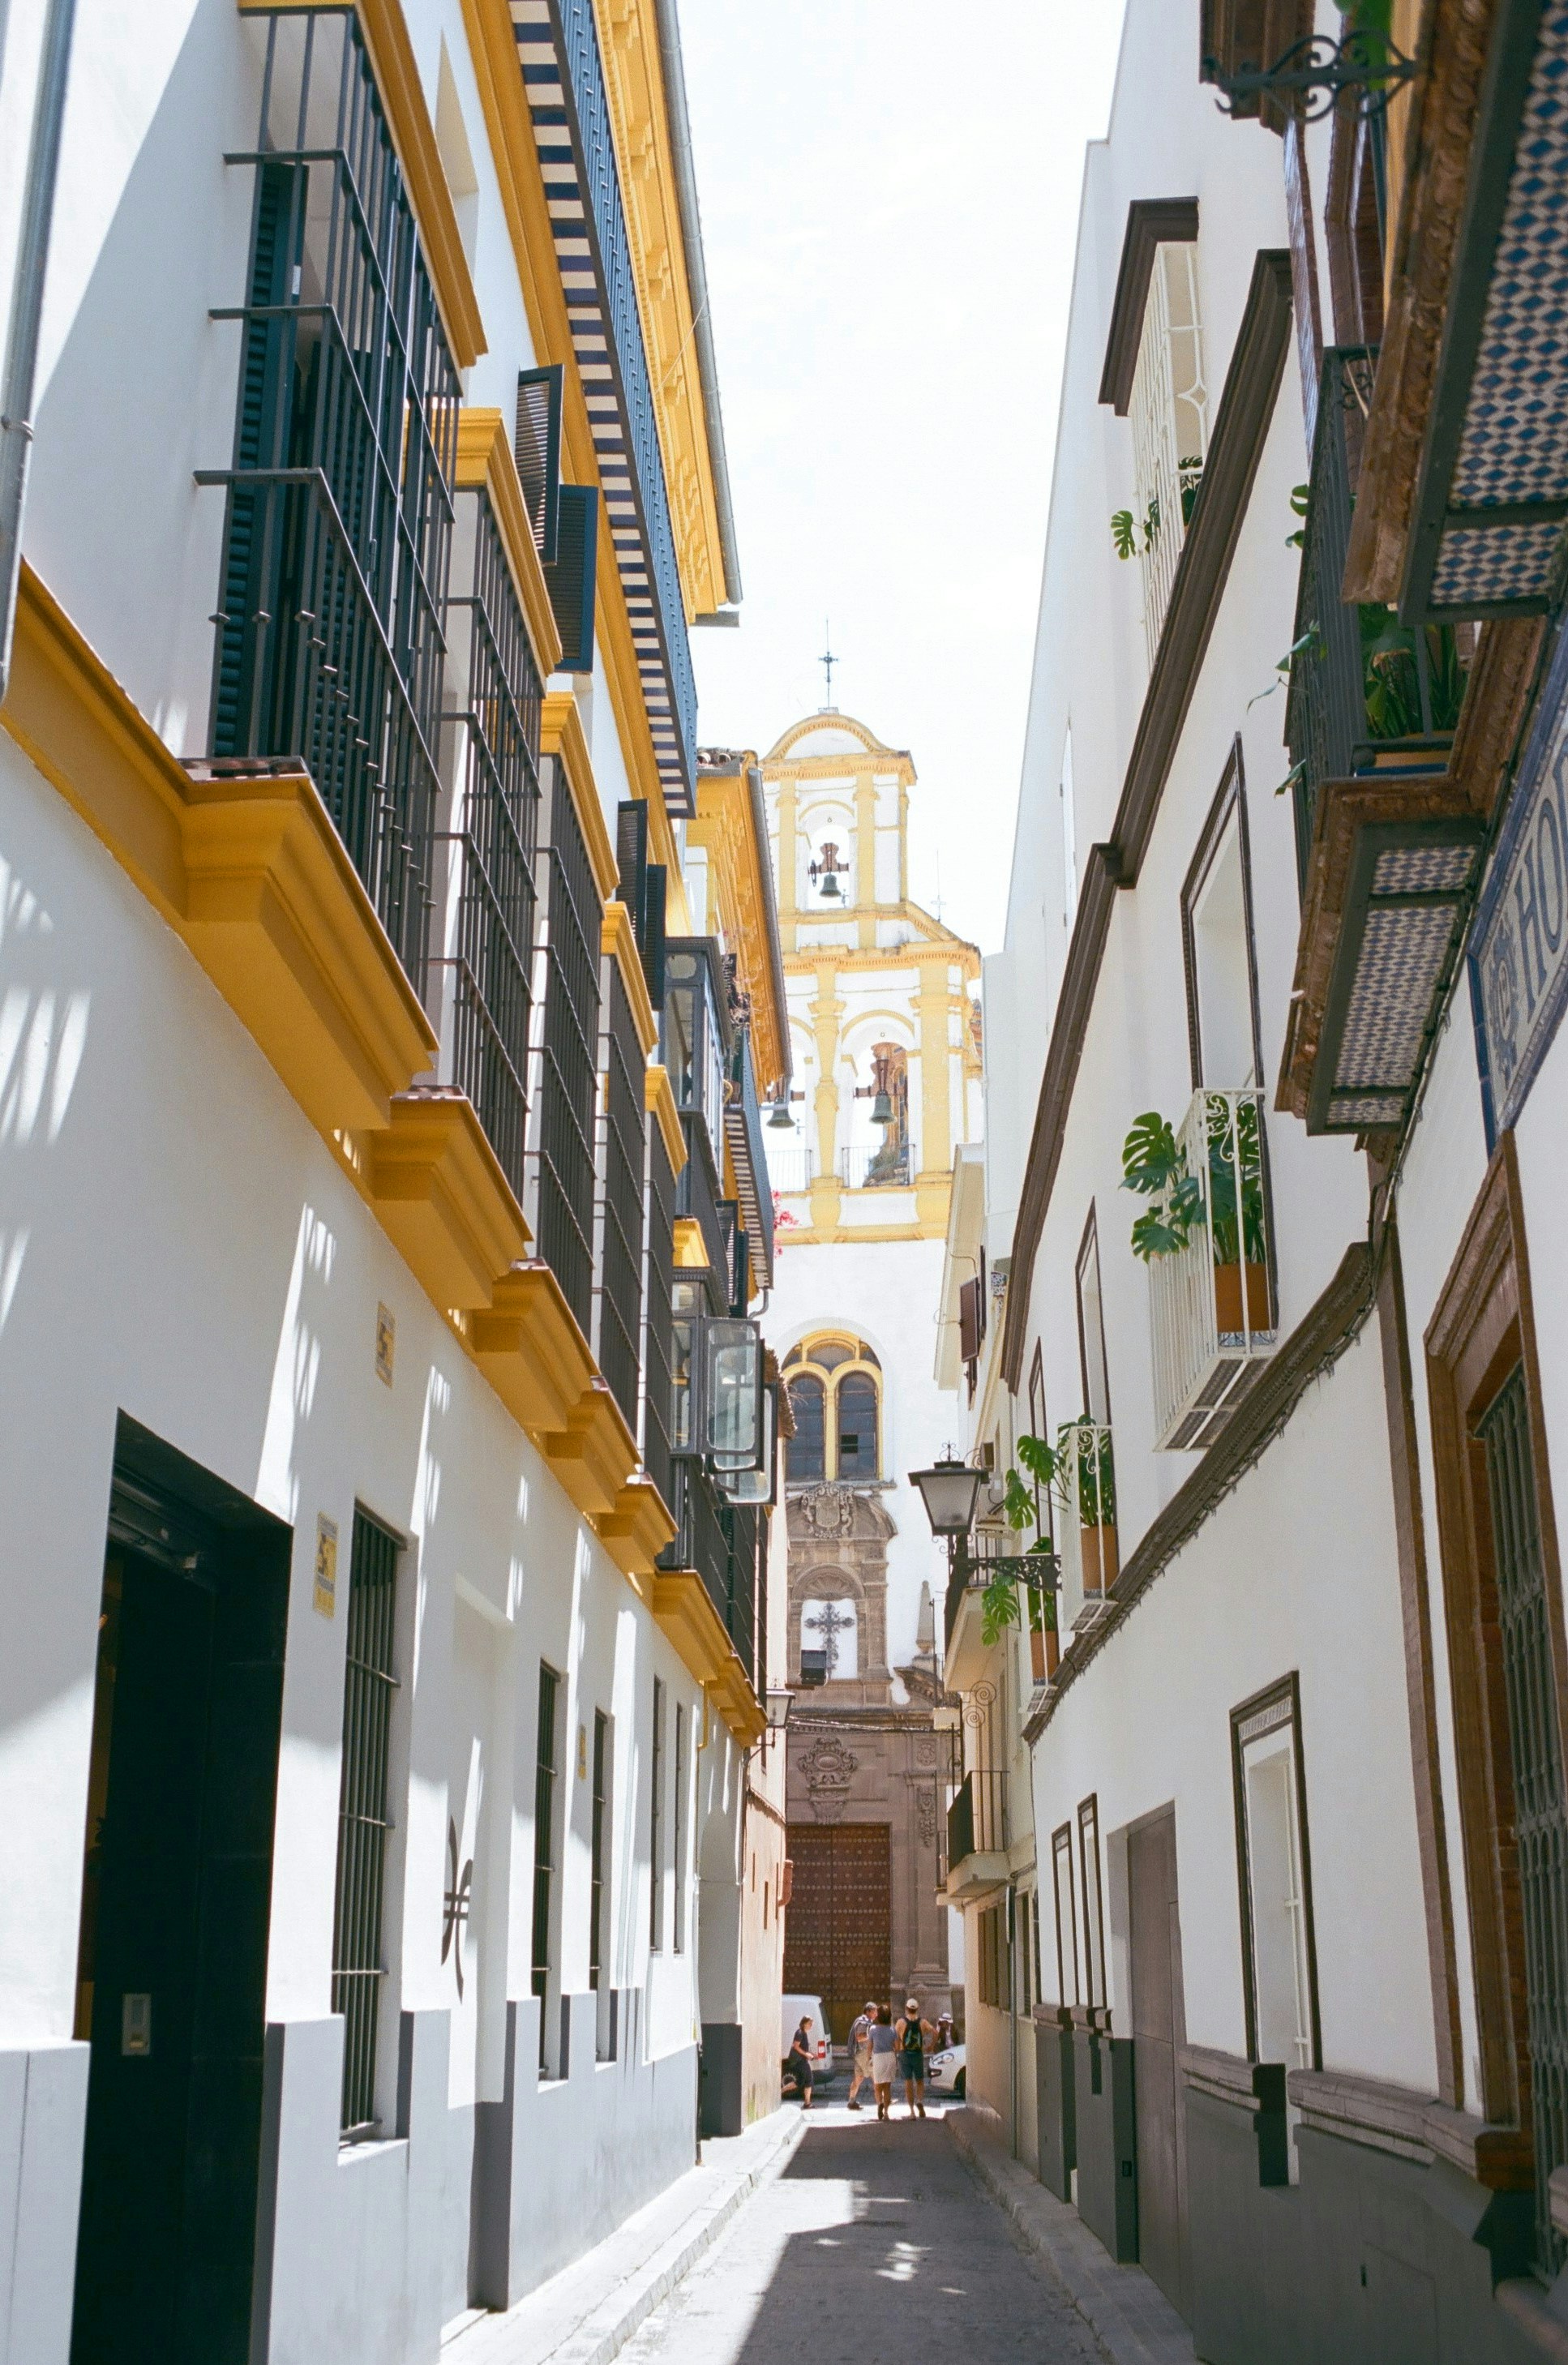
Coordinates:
(1315,71)
(1041,1572)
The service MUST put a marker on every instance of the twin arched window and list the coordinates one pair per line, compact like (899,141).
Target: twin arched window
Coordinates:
(836,1387)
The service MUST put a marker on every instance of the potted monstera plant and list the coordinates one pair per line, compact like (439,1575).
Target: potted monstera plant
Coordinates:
(1021,1504)
(1156,1166)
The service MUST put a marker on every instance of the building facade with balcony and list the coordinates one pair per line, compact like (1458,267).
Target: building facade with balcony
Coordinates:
(1270,1206)
(885,1086)
(386,1631)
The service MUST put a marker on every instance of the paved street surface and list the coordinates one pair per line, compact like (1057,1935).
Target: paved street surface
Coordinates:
(876,2246)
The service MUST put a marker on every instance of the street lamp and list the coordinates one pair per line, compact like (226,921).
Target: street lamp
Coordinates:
(948,1489)
(778,1705)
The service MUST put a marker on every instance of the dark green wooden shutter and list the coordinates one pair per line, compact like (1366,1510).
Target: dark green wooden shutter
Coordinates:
(570,575)
(537,445)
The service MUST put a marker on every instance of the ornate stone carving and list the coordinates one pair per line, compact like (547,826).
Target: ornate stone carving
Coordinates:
(829,1768)
(926,1816)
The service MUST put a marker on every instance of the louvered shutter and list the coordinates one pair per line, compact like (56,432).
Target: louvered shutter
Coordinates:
(654,935)
(570,575)
(970,1321)
(631,861)
(537,446)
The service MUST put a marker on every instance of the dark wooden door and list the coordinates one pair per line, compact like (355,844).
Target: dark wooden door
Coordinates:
(838,1936)
(1159,2032)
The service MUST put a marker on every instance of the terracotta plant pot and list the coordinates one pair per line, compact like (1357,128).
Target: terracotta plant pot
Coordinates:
(1100,1558)
(1227,1298)
(1053,1654)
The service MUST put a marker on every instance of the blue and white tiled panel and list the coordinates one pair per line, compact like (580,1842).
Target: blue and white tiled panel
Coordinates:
(1515,443)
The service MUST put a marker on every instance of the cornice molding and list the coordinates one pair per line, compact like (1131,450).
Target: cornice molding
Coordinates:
(639,115)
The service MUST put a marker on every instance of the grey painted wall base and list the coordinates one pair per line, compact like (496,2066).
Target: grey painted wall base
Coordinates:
(1055,2117)
(1107,2151)
(363,2252)
(43,2122)
(1370,2259)
(724,2089)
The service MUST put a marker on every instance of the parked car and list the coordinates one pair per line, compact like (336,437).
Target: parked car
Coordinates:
(797,2008)
(945,2072)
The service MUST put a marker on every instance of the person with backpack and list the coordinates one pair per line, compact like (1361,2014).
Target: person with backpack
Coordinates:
(914,2036)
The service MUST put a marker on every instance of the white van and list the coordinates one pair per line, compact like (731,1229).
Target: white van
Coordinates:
(797,2008)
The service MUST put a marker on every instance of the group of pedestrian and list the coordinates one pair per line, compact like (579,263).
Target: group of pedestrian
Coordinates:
(880,2049)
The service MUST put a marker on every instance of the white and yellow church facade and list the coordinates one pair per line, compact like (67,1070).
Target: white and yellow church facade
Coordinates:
(885,1051)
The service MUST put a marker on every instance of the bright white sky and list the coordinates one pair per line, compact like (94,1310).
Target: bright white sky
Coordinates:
(890,206)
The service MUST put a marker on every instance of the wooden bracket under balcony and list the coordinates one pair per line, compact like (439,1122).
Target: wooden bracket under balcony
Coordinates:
(636,1530)
(594,1454)
(530,1349)
(442,1199)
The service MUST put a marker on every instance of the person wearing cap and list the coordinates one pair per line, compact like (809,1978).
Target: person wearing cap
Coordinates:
(860,2052)
(913,2034)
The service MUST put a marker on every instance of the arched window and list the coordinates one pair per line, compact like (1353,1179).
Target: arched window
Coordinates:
(857,1425)
(803,1451)
(835,1384)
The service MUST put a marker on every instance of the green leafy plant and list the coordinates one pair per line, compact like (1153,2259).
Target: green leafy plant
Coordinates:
(1124,533)
(1300,495)
(1189,476)
(1021,1505)
(1154,1165)
(1392,682)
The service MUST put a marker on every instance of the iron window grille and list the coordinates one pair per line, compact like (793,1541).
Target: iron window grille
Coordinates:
(678,1833)
(1541,1814)
(596,1848)
(337,539)
(658,1322)
(568,1078)
(722,1542)
(698,1041)
(492,717)
(544,1843)
(362,1821)
(696,1196)
(657,1824)
(620,1293)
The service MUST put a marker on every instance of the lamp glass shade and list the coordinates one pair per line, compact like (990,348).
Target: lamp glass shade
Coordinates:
(779,1704)
(948,1490)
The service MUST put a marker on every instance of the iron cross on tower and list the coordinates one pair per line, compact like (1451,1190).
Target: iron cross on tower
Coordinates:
(830,1622)
(827,662)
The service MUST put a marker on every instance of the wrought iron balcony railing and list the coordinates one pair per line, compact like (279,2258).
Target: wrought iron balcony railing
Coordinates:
(619,1278)
(723,1542)
(563,73)
(977,1818)
(563,1132)
(337,539)
(483,974)
(1365,694)
(1212,1300)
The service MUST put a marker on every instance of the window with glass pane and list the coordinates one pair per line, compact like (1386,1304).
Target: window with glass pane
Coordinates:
(803,1451)
(858,1453)
(1276,1905)
(330,643)
(1093,1916)
(678,1917)
(1065,1914)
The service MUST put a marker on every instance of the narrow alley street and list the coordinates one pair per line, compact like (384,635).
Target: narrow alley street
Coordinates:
(877,2243)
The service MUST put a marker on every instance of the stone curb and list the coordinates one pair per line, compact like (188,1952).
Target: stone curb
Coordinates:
(1128,2315)
(603,2331)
